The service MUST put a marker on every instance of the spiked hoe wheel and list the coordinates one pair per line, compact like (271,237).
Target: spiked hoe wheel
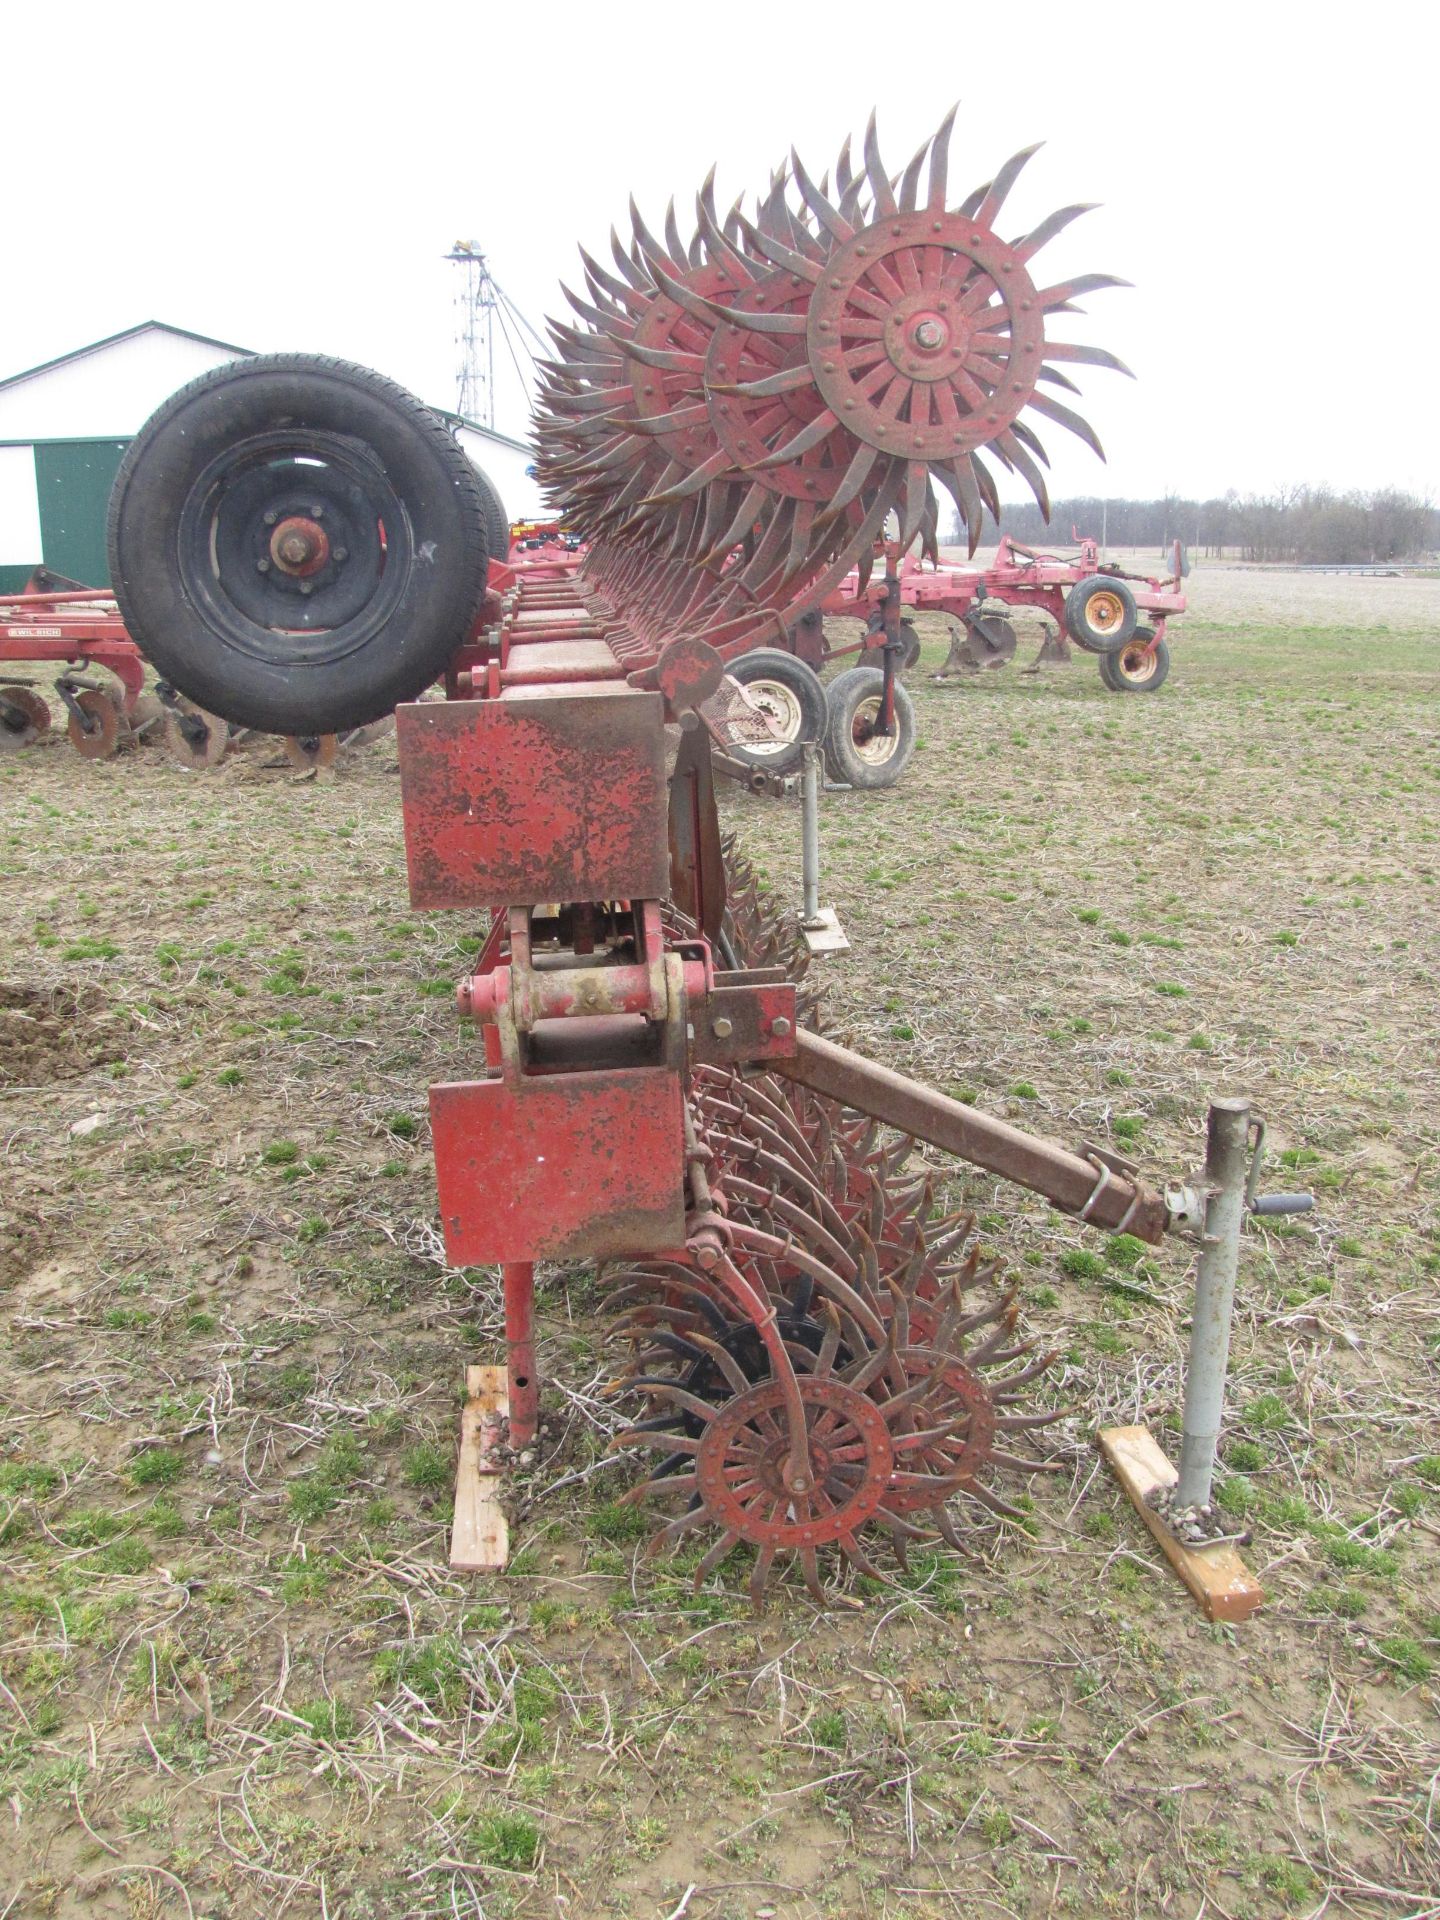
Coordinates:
(757,401)
(897,1356)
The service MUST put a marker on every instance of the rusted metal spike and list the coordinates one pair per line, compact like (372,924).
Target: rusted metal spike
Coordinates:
(875,173)
(910,179)
(1087,356)
(1050,226)
(939,177)
(1062,415)
(999,189)
(818,202)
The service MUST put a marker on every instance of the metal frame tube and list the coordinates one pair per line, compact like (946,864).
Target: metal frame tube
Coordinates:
(519,1279)
(1227,1165)
(1086,1187)
(810,835)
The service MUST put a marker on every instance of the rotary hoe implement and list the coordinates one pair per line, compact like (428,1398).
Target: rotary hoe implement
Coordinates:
(816,1361)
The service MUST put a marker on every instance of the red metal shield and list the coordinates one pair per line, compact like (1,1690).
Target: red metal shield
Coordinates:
(514,802)
(569,1166)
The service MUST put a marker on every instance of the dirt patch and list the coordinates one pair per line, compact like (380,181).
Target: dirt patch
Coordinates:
(48,1034)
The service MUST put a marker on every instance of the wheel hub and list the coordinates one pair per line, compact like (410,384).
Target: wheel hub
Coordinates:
(299,546)
(926,335)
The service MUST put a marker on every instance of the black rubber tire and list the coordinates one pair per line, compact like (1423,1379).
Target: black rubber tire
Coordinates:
(302,677)
(802,699)
(1119,677)
(845,757)
(497,521)
(1082,626)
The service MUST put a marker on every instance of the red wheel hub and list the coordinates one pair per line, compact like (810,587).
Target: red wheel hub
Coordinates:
(299,546)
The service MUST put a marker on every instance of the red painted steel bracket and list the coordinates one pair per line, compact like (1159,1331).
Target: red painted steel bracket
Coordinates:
(518,801)
(564,1167)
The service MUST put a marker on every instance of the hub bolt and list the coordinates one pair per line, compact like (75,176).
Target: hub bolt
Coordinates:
(262,566)
(341,554)
(271,518)
(929,333)
(307,586)
(722,1028)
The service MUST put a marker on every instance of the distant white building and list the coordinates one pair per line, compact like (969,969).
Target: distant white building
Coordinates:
(65,425)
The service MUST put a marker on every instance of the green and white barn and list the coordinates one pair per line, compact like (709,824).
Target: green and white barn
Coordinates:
(64,426)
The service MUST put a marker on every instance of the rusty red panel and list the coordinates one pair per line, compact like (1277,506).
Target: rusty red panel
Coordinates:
(569,1166)
(518,801)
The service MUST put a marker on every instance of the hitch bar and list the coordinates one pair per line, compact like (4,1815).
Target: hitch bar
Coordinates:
(1098,1192)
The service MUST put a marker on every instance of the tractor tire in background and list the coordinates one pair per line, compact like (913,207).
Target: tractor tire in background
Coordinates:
(297,543)
(1139,666)
(853,753)
(1100,613)
(492,512)
(791,695)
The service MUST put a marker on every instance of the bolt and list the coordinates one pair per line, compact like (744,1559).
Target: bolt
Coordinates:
(341,553)
(722,1028)
(262,566)
(708,1256)
(271,518)
(930,333)
(307,586)
(317,513)
(780,1027)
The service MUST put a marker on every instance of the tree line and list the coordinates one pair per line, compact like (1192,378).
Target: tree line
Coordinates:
(1296,526)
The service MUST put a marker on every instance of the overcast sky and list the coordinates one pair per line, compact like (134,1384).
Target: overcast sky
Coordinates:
(290,178)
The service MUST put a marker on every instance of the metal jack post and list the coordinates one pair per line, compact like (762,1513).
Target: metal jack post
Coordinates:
(819,925)
(1176,1507)
(1226,1170)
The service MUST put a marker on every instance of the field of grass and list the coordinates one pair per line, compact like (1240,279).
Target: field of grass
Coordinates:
(236,1675)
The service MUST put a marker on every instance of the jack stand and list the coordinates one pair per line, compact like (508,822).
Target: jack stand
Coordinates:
(1176,1506)
(820,926)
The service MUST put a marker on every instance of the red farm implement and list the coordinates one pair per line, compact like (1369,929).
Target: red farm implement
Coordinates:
(865,720)
(80,632)
(1119,616)
(817,1357)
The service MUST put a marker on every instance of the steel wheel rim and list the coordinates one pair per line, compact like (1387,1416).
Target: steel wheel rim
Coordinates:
(875,749)
(780,706)
(1138,663)
(1105,612)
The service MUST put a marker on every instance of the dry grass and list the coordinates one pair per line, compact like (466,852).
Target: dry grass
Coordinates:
(235,1678)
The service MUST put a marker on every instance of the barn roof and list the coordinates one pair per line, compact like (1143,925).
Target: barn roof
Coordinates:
(113,339)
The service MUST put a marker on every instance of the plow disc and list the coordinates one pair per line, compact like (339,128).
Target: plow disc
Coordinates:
(24,717)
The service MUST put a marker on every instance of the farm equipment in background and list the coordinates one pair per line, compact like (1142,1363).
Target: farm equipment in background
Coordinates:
(1121,617)
(62,623)
(80,629)
(729,419)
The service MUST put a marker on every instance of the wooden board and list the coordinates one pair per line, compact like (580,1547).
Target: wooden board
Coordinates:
(480,1537)
(1217,1577)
